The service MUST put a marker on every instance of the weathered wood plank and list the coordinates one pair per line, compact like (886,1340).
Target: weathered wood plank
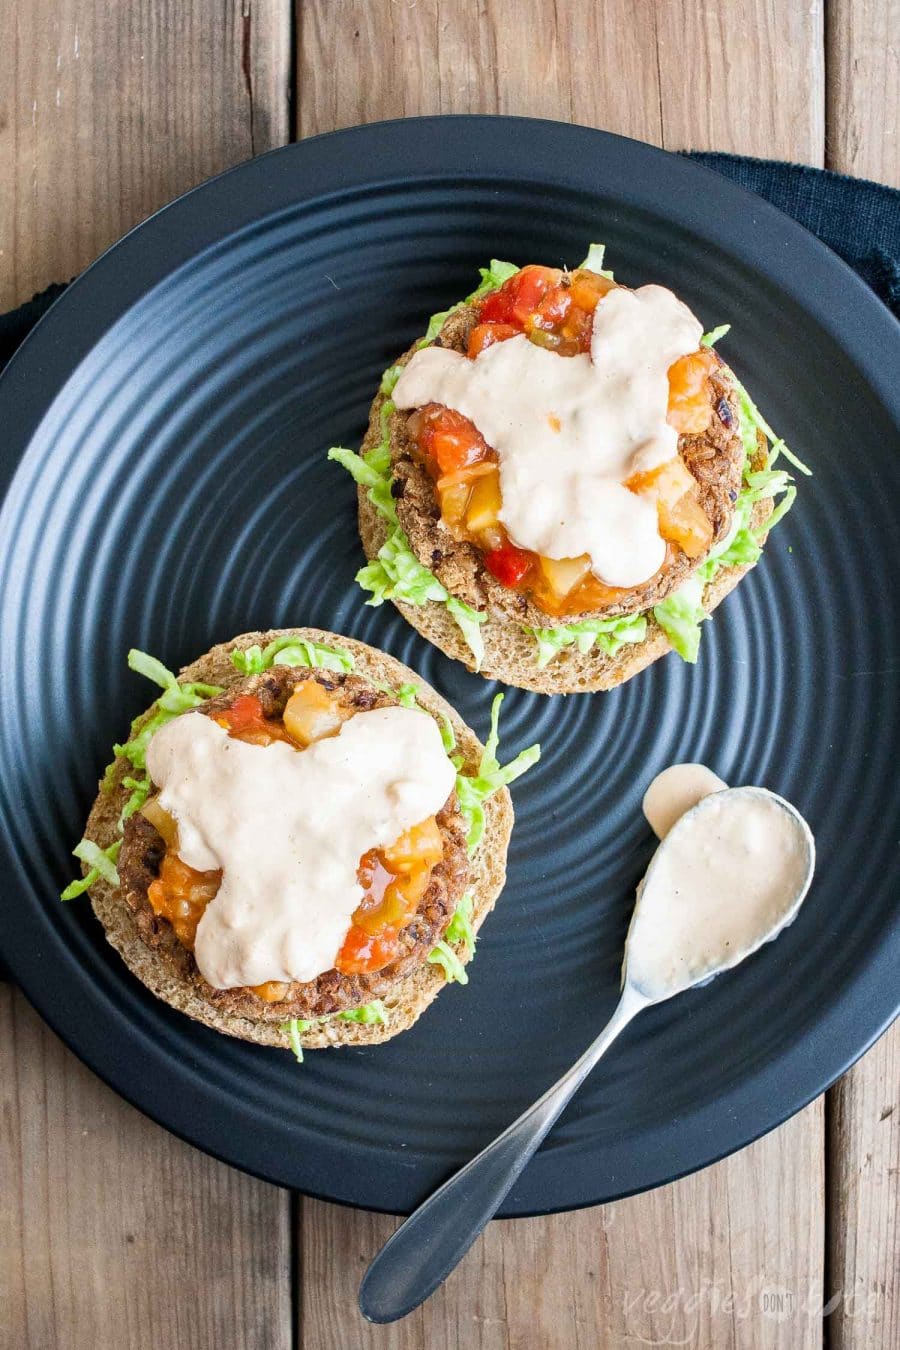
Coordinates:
(580,61)
(107,112)
(864,1202)
(863,106)
(673,72)
(747,77)
(694,1262)
(730,1258)
(863,1140)
(113,1232)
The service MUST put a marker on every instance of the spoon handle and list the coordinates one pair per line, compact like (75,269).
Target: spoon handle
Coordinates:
(435,1238)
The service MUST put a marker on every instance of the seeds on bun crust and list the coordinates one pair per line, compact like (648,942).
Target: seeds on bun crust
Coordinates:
(149,944)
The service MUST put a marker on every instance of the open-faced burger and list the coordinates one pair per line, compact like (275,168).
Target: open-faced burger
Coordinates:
(562,479)
(298,841)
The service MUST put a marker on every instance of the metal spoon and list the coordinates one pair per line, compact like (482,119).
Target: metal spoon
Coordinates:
(435,1238)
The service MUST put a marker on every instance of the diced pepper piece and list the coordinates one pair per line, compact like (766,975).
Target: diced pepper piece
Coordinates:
(312,713)
(508,563)
(690,403)
(483,509)
(486,334)
(564,574)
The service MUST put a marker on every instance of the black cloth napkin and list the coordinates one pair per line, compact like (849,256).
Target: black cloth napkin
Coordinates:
(860,220)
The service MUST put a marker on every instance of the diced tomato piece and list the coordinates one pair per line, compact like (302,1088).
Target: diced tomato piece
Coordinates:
(552,310)
(245,721)
(519,298)
(508,563)
(486,334)
(451,440)
(364,952)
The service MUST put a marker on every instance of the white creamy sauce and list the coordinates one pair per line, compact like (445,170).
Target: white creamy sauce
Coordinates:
(569,430)
(675,791)
(288,829)
(730,875)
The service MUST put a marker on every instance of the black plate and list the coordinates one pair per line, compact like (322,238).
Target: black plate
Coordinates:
(164,433)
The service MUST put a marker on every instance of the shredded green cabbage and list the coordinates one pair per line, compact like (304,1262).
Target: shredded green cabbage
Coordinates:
(710,339)
(491,776)
(460,928)
(102,862)
(607,634)
(367,1015)
(444,956)
(396,573)
(290,651)
(491,277)
(594,261)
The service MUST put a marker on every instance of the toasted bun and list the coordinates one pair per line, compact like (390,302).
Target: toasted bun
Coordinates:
(409,998)
(509,652)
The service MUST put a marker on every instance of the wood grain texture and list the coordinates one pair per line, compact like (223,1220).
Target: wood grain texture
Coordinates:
(729,1258)
(863,55)
(112,1231)
(675,72)
(733,1256)
(864,1202)
(863,1137)
(109,111)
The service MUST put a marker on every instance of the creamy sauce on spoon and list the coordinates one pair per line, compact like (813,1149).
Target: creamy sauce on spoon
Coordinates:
(569,430)
(675,791)
(731,874)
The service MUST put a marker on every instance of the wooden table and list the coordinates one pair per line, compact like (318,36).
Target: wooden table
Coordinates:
(114,1234)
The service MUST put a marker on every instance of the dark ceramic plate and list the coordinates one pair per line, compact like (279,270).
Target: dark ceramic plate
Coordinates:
(163,444)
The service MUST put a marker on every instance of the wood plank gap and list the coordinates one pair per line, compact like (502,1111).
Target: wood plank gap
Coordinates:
(295,37)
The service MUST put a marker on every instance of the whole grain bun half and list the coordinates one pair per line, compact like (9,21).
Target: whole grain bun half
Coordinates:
(151,950)
(510,651)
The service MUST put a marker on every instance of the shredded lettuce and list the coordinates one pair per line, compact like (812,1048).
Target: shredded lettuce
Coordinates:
(608,634)
(291,651)
(680,616)
(491,277)
(491,776)
(295,1028)
(715,335)
(594,260)
(367,1015)
(102,862)
(396,573)
(444,956)
(460,928)
(752,421)
(176,698)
